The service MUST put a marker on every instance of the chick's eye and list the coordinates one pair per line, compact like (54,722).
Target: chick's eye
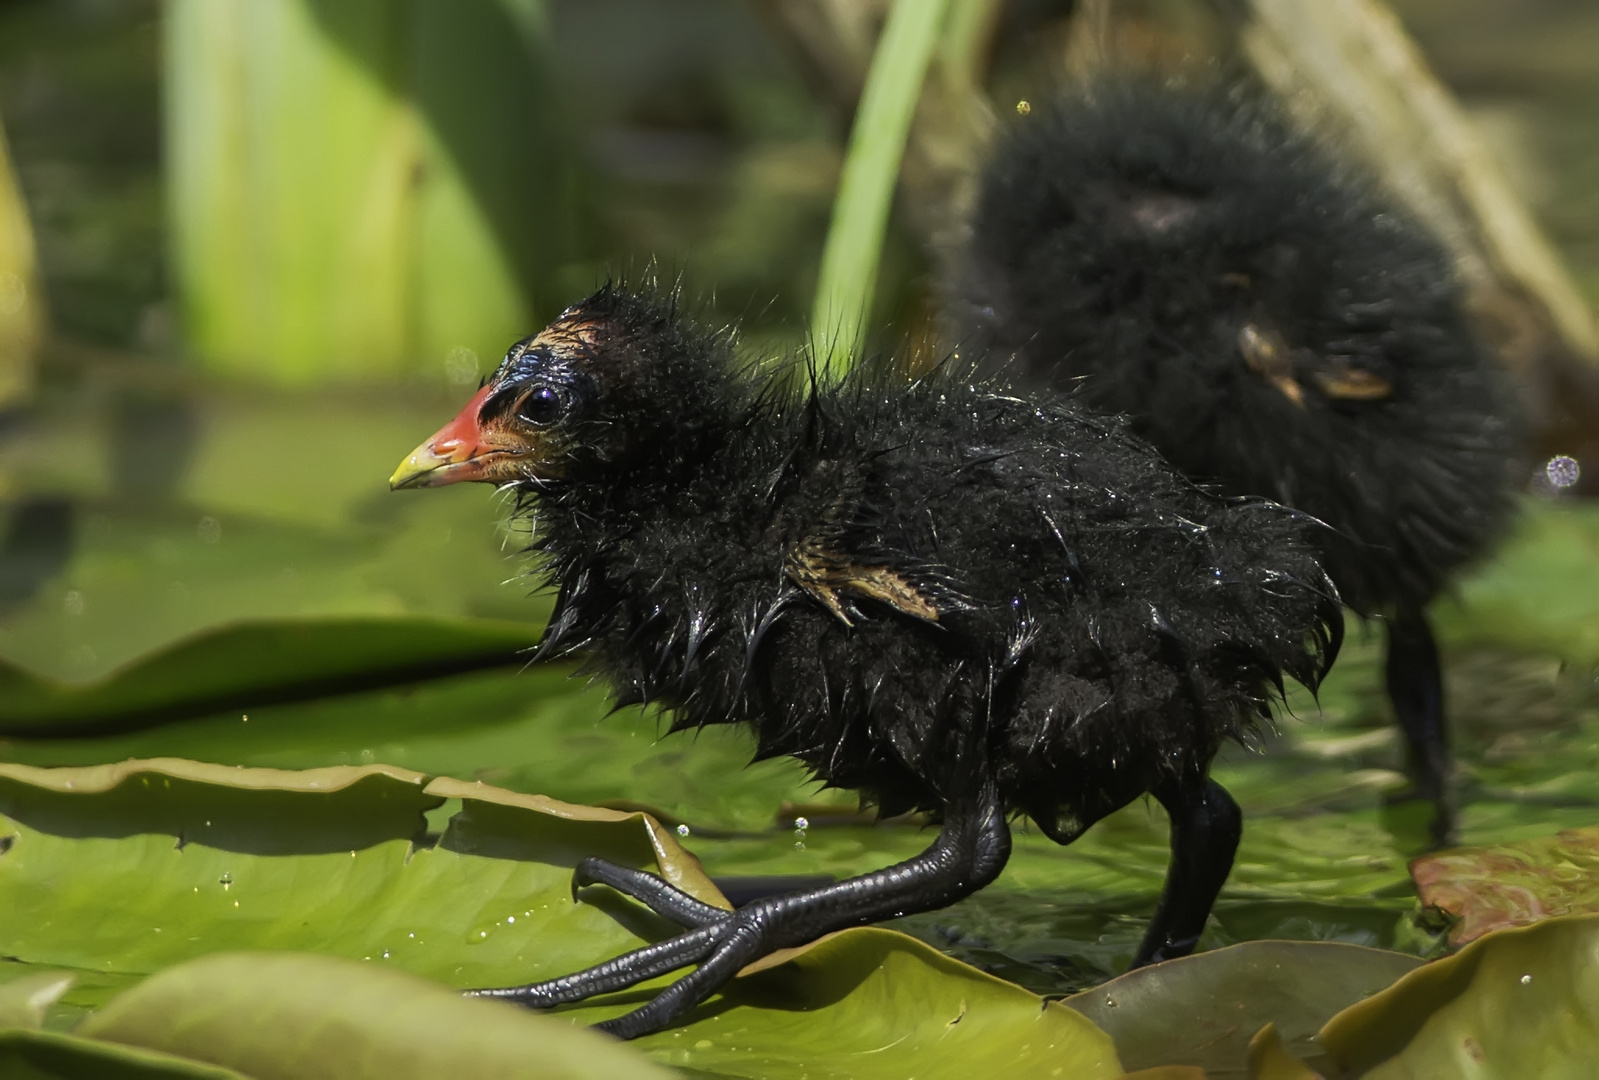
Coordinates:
(541,406)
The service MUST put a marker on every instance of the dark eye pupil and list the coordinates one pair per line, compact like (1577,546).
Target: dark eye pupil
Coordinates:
(541,406)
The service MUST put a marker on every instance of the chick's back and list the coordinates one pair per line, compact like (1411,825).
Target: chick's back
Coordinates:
(1019,564)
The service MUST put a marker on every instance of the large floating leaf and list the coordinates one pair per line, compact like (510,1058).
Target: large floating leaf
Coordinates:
(24,1001)
(1539,592)
(1269,1059)
(50,1055)
(1516,1003)
(870,1003)
(204,858)
(291,1016)
(136,867)
(1490,888)
(1202,1010)
(240,666)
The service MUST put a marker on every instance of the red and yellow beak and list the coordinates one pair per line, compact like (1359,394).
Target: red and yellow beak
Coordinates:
(463,450)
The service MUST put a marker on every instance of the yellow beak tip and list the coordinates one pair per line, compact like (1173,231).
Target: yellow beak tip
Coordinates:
(411,473)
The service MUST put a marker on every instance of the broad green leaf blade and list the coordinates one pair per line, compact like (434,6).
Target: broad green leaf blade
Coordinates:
(1517,1003)
(52,1055)
(871,1003)
(135,867)
(288,1016)
(95,879)
(1539,593)
(85,991)
(25,1001)
(1202,1010)
(500,824)
(259,811)
(1269,1059)
(249,664)
(1490,888)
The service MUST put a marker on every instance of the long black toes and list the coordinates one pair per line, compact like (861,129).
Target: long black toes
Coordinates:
(661,897)
(970,851)
(744,945)
(624,971)
(1206,825)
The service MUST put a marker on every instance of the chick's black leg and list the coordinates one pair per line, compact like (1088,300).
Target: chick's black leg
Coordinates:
(1205,827)
(1415,686)
(970,851)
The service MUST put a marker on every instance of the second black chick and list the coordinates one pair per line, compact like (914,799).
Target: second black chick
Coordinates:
(946,597)
(1272,325)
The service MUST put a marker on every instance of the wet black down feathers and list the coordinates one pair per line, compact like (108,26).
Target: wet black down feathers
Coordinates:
(942,595)
(1265,317)
(1106,623)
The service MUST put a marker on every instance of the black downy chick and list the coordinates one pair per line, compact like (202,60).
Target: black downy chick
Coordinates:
(1273,326)
(947,598)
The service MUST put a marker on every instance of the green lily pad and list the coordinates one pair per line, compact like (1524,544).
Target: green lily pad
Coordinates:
(24,1001)
(236,667)
(138,867)
(871,1003)
(206,858)
(1490,888)
(1202,1010)
(1269,1059)
(293,1016)
(51,1055)
(1539,592)
(1516,1003)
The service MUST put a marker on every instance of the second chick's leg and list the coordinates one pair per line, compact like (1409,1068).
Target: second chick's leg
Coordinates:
(1205,827)
(970,851)
(1415,686)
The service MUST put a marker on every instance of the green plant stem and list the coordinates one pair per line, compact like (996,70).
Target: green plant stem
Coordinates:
(866,186)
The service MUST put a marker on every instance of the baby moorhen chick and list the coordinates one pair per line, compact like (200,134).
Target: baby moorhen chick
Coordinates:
(950,599)
(1272,325)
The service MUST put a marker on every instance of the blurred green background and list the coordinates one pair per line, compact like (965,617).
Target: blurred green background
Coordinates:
(277,242)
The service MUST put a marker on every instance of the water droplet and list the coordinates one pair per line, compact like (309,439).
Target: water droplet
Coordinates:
(682,830)
(802,824)
(703,1044)
(1563,470)
(1024,107)
(385,954)
(799,845)
(510,918)
(1526,980)
(74,602)
(226,880)
(1110,1002)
